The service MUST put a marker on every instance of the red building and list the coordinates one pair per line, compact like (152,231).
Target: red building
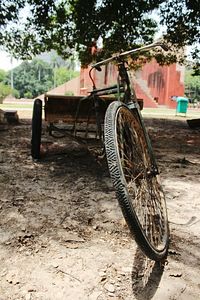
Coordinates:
(153,83)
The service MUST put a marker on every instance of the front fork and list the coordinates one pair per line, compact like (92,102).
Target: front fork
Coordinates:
(134,107)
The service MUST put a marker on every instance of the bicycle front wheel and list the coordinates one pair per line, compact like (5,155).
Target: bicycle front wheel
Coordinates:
(138,190)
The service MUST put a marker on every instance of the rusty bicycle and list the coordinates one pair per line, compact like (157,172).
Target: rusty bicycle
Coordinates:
(130,158)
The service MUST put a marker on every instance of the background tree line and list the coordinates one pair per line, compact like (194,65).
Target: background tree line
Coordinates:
(70,27)
(30,27)
(4,88)
(192,85)
(31,79)
(36,77)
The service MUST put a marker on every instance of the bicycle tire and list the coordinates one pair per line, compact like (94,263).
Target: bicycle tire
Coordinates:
(138,190)
(36,129)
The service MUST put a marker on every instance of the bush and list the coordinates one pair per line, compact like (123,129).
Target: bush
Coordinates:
(15,93)
(28,95)
(5,90)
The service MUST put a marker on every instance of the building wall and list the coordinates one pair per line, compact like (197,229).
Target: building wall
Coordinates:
(153,83)
(72,86)
(107,76)
(163,82)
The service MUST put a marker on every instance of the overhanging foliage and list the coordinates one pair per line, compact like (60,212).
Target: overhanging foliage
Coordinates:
(29,27)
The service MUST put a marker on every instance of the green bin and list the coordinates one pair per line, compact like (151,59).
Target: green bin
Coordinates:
(182,105)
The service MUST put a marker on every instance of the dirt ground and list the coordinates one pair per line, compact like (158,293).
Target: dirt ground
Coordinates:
(62,234)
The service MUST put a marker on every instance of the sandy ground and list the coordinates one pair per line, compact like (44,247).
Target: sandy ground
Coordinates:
(62,234)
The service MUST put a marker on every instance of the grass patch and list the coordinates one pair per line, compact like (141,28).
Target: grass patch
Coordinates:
(15,106)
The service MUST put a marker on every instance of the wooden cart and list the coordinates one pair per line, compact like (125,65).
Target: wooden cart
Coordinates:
(74,114)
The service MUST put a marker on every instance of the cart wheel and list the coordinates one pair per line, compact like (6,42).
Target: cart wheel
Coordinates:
(36,129)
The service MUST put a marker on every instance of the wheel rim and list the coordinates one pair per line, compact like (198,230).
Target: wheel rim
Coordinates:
(141,183)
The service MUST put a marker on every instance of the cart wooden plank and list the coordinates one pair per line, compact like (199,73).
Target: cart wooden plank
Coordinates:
(73,108)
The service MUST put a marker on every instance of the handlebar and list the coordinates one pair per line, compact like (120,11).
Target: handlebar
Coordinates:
(119,55)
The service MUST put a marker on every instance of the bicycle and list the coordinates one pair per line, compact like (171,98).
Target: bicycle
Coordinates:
(131,162)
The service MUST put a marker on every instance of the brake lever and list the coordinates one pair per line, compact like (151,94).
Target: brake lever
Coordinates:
(165,47)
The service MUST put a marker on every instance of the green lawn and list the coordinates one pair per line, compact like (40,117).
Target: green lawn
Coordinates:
(160,112)
(170,113)
(15,106)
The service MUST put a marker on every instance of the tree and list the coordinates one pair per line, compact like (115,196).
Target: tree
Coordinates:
(2,75)
(10,11)
(32,78)
(76,25)
(5,90)
(192,84)
(63,75)
(182,19)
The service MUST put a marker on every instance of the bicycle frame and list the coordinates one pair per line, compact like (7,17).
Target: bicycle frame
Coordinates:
(124,86)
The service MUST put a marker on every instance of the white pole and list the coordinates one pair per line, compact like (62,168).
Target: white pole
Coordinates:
(11,74)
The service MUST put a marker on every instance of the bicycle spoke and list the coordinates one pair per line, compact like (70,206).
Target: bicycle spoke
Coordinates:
(135,163)
(138,190)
